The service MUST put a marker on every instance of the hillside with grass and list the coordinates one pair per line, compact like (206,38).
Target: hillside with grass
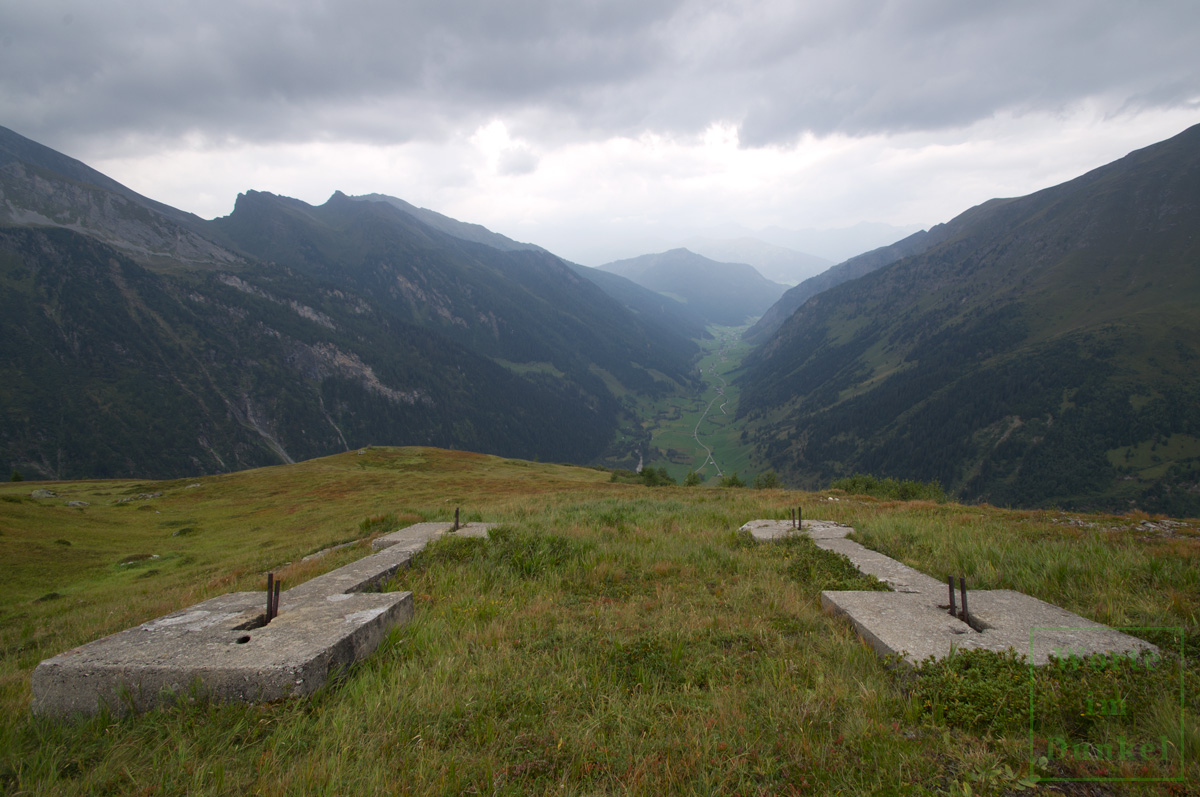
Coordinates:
(605,638)
(1043,353)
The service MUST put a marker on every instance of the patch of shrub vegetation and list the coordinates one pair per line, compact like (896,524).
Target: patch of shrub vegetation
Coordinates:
(889,488)
(692,479)
(732,481)
(818,569)
(62,541)
(624,476)
(450,549)
(982,690)
(647,662)
(650,477)
(766,481)
(972,689)
(656,477)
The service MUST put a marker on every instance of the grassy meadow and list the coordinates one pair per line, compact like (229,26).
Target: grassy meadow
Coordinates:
(674,419)
(606,638)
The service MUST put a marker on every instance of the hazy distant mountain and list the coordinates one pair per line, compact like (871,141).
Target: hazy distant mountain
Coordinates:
(776,263)
(137,340)
(837,244)
(1045,350)
(722,293)
(657,311)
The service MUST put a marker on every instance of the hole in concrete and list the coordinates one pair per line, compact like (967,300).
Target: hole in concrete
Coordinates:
(257,622)
(977,624)
(972,622)
(243,639)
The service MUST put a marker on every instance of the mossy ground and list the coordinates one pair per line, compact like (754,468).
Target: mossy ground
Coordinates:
(607,638)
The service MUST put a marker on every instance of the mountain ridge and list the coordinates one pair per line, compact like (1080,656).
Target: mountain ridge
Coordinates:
(1036,354)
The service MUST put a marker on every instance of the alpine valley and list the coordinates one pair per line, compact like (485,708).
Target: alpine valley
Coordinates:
(1034,351)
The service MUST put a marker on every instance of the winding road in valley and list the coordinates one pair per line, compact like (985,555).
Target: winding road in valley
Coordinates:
(712,369)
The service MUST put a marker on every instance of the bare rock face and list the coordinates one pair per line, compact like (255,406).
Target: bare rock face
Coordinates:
(28,196)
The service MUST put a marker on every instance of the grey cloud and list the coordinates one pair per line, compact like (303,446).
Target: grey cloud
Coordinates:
(517,160)
(387,72)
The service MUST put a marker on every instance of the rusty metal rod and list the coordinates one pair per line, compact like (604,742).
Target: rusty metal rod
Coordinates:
(966,615)
(270,595)
(953,609)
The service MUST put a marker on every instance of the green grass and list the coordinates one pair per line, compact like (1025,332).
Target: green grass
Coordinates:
(672,420)
(899,489)
(606,638)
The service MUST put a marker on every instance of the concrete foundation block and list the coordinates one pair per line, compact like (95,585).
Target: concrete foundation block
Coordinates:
(213,650)
(913,622)
(222,649)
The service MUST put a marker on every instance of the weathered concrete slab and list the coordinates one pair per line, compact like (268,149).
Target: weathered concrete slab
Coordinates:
(368,573)
(897,575)
(207,650)
(913,622)
(892,624)
(421,533)
(395,552)
(214,648)
(418,533)
(1039,629)
(767,530)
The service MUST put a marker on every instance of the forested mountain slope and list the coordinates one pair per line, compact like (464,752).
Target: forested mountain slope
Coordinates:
(138,340)
(1048,351)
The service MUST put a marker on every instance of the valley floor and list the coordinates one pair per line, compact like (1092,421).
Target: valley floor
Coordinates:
(698,433)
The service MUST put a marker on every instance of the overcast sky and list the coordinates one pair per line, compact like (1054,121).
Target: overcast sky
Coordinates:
(598,127)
